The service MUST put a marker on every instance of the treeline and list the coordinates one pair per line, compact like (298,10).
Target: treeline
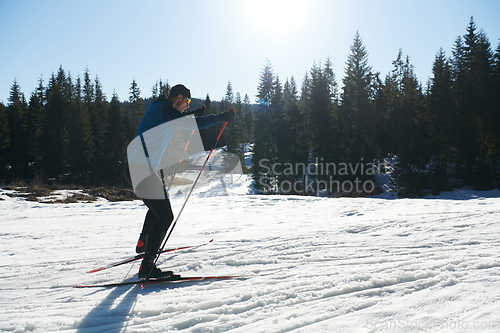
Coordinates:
(69,133)
(442,135)
(66,132)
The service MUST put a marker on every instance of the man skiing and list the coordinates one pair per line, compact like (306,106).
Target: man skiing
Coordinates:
(144,159)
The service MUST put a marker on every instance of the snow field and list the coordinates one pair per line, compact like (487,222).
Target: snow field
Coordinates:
(346,265)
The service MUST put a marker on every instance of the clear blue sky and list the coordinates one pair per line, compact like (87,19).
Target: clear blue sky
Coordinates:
(206,43)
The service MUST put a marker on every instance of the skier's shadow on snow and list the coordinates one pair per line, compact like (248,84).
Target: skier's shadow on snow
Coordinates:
(114,311)
(109,315)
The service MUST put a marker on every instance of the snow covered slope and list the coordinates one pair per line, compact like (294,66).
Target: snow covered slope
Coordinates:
(348,265)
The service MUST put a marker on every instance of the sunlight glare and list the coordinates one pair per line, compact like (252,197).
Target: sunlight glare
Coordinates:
(276,15)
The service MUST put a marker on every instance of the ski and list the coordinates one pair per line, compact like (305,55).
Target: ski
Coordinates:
(141,255)
(174,279)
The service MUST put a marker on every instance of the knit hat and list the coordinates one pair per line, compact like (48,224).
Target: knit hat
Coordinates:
(180,89)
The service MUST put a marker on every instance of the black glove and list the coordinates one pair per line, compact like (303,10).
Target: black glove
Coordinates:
(226,116)
(197,112)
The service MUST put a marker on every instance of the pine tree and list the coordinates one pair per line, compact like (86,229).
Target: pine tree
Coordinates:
(81,137)
(55,131)
(164,89)
(472,73)
(467,102)
(406,105)
(247,128)
(88,89)
(247,131)
(293,147)
(98,117)
(238,132)
(231,138)
(495,123)
(227,104)
(441,119)
(323,111)
(386,98)
(36,114)
(17,119)
(463,119)
(302,130)
(399,122)
(115,142)
(263,150)
(265,87)
(155,91)
(136,105)
(4,143)
(484,107)
(229,97)
(357,112)
(275,127)
(314,121)
(234,139)
(382,136)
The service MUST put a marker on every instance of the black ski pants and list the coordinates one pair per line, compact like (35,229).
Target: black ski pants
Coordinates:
(158,219)
(159,216)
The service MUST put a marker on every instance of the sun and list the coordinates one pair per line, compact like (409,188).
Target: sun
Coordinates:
(276,15)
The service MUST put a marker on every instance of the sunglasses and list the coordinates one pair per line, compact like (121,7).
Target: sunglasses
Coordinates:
(188,100)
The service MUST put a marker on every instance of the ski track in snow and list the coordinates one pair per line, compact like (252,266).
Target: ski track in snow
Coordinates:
(347,265)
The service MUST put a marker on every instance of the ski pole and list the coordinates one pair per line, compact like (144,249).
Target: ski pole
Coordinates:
(184,205)
(194,112)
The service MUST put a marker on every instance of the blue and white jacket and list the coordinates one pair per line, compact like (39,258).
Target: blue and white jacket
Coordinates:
(157,129)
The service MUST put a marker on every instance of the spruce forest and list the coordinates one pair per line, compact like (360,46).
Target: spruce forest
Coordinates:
(441,134)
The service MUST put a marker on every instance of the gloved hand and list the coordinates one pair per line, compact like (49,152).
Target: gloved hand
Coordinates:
(226,116)
(197,112)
